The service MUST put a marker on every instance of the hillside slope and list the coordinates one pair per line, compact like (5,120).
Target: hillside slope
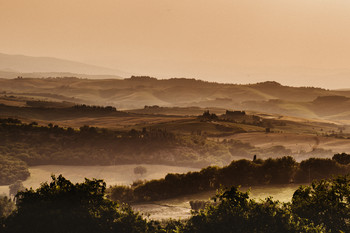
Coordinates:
(136,92)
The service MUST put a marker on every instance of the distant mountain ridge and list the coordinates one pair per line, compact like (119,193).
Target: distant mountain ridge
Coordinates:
(30,64)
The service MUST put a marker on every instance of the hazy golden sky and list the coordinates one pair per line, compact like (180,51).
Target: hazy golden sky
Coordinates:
(219,40)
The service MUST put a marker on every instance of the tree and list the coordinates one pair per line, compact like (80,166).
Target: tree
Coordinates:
(206,116)
(342,158)
(317,169)
(65,207)
(235,212)
(279,170)
(12,169)
(140,170)
(325,202)
(16,187)
(6,206)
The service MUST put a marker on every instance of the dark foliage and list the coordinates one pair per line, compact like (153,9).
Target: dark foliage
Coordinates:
(325,202)
(235,212)
(342,158)
(65,207)
(6,206)
(316,168)
(12,169)
(242,172)
(206,116)
(40,145)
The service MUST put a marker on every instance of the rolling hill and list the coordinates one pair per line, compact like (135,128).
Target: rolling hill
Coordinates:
(138,92)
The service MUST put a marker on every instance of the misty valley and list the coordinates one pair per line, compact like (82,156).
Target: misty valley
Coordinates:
(163,116)
(148,155)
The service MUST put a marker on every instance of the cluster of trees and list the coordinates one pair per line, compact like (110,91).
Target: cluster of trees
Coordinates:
(324,206)
(39,145)
(48,104)
(206,116)
(7,206)
(151,107)
(10,121)
(237,213)
(61,206)
(95,108)
(12,169)
(242,172)
(342,158)
(325,203)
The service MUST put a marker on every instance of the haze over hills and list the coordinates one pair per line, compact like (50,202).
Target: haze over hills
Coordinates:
(137,92)
(11,64)
(53,79)
(241,95)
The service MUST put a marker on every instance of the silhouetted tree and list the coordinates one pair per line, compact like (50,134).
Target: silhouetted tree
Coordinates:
(235,212)
(342,158)
(325,202)
(16,187)
(6,207)
(65,207)
(140,170)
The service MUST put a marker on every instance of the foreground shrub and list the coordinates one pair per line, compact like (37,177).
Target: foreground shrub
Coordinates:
(325,202)
(65,207)
(237,213)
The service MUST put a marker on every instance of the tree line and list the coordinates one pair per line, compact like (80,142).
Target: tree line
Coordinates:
(32,144)
(283,170)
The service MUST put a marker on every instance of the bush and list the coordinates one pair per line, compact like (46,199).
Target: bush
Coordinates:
(325,202)
(342,158)
(237,213)
(12,169)
(140,170)
(6,207)
(65,207)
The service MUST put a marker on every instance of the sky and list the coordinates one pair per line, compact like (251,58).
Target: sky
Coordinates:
(295,42)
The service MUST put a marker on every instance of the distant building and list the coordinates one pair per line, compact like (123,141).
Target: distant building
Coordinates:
(235,113)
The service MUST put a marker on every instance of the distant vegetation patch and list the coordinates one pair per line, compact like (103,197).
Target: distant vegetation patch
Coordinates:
(283,170)
(44,145)
(12,169)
